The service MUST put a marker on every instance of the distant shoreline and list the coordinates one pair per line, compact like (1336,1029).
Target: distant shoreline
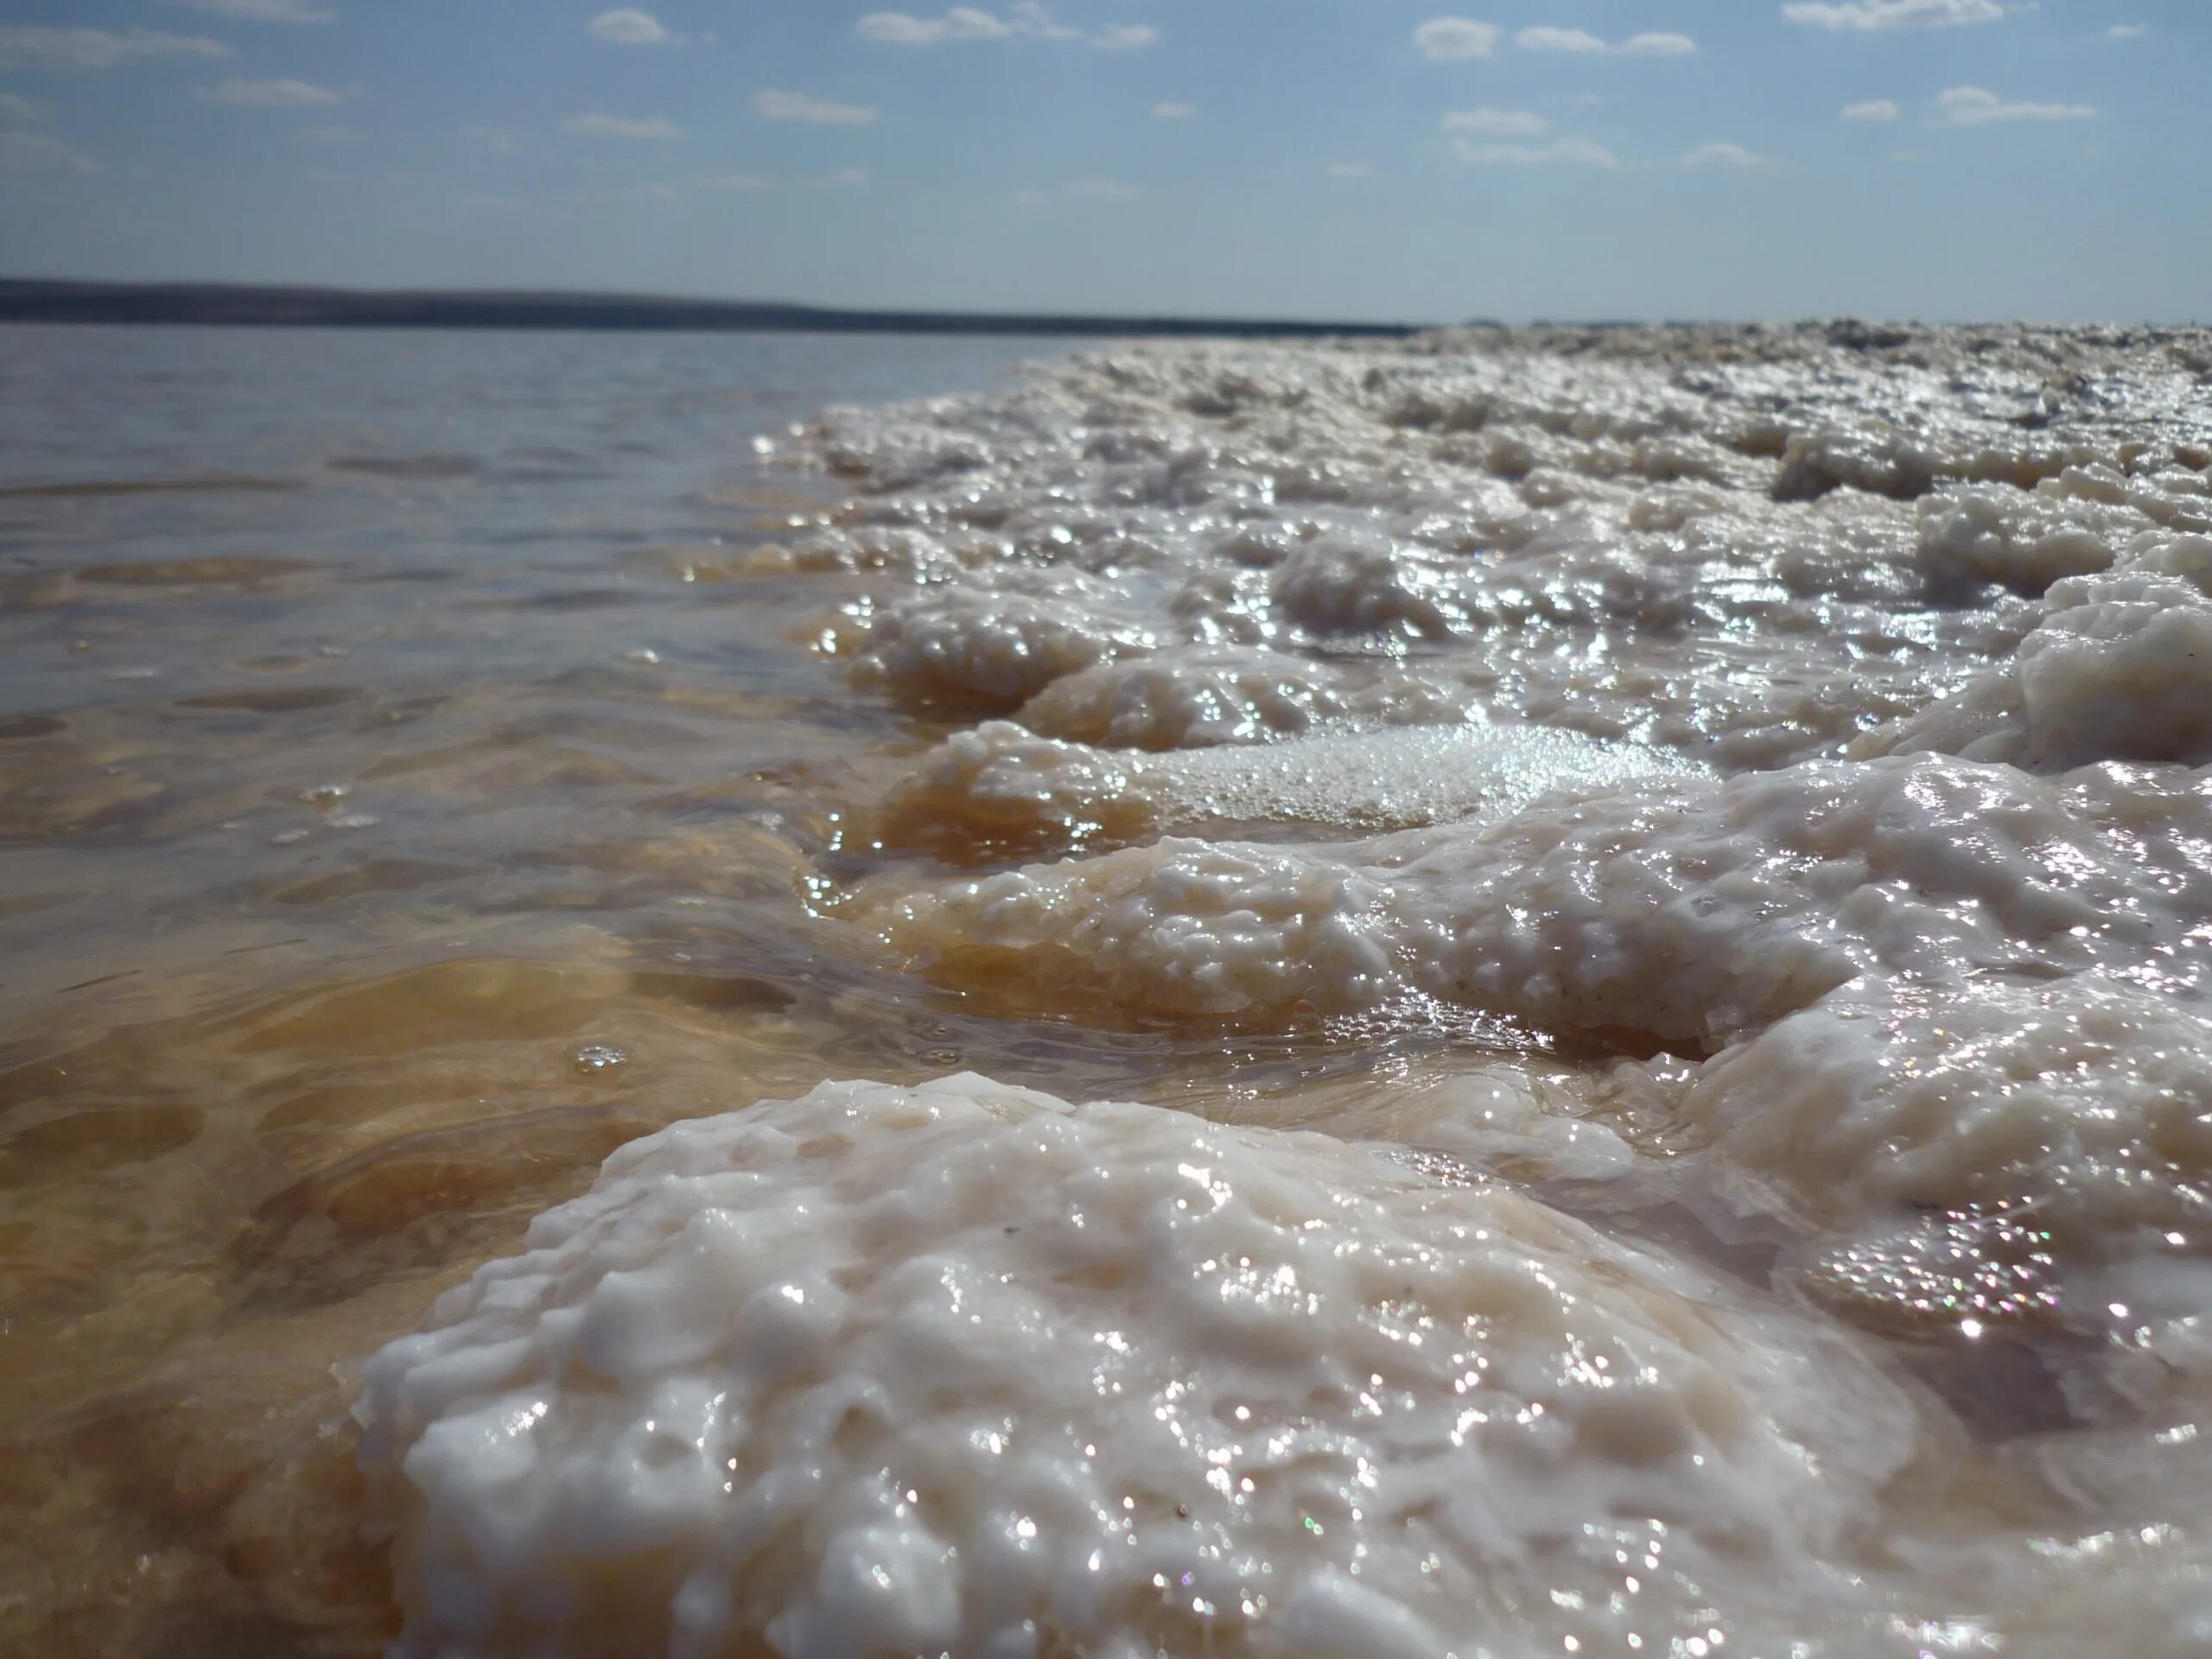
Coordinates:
(225,305)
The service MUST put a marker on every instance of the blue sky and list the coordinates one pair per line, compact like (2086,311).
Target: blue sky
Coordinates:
(1343,158)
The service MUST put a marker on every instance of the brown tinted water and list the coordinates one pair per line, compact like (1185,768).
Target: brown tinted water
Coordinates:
(406,788)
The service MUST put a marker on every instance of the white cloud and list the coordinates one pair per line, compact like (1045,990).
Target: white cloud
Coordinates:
(1349,170)
(1722,154)
(1499,123)
(13,108)
(734,183)
(1975,106)
(1651,43)
(2127,31)
(1874,109)
(260,11)
(1451,40)
(629,26)
(1579,151)
(1027,18)
(33,152)
(901,28)
(499,140)
(651,128)
(1558,40)
(1173,111)
(271,95)
(849,178)
(1871,15)
(773,106)
(27,47)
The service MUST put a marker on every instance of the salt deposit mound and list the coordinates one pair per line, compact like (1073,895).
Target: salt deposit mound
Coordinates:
(961,1368)
(1687,910)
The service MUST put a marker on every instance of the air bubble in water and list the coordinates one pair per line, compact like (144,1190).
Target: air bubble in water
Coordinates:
(599,1057)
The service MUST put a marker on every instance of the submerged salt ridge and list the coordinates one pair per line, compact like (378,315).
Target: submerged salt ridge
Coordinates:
(1830,713)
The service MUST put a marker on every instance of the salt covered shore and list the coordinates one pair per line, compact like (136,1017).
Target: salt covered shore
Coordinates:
(1797,741)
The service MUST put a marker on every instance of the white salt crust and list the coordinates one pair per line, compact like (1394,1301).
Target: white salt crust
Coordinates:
(1935,604)
(2089,1100)
(1693,910)
(961,1368)
(1626,534)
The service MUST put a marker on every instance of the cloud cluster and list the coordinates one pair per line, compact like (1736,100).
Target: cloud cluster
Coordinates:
(1027,18)
(1722,154)
(260,11)
(1652,43)
(1496,123)
(770,104)
(31,47)
(1477,137)
(1453,40)
(1975,106)
(271,95)
(1868,16)
(1657,43)
(901,28)
(1970,106)
(628,26)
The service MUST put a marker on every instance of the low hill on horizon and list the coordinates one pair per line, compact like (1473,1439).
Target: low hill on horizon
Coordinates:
(249,305)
